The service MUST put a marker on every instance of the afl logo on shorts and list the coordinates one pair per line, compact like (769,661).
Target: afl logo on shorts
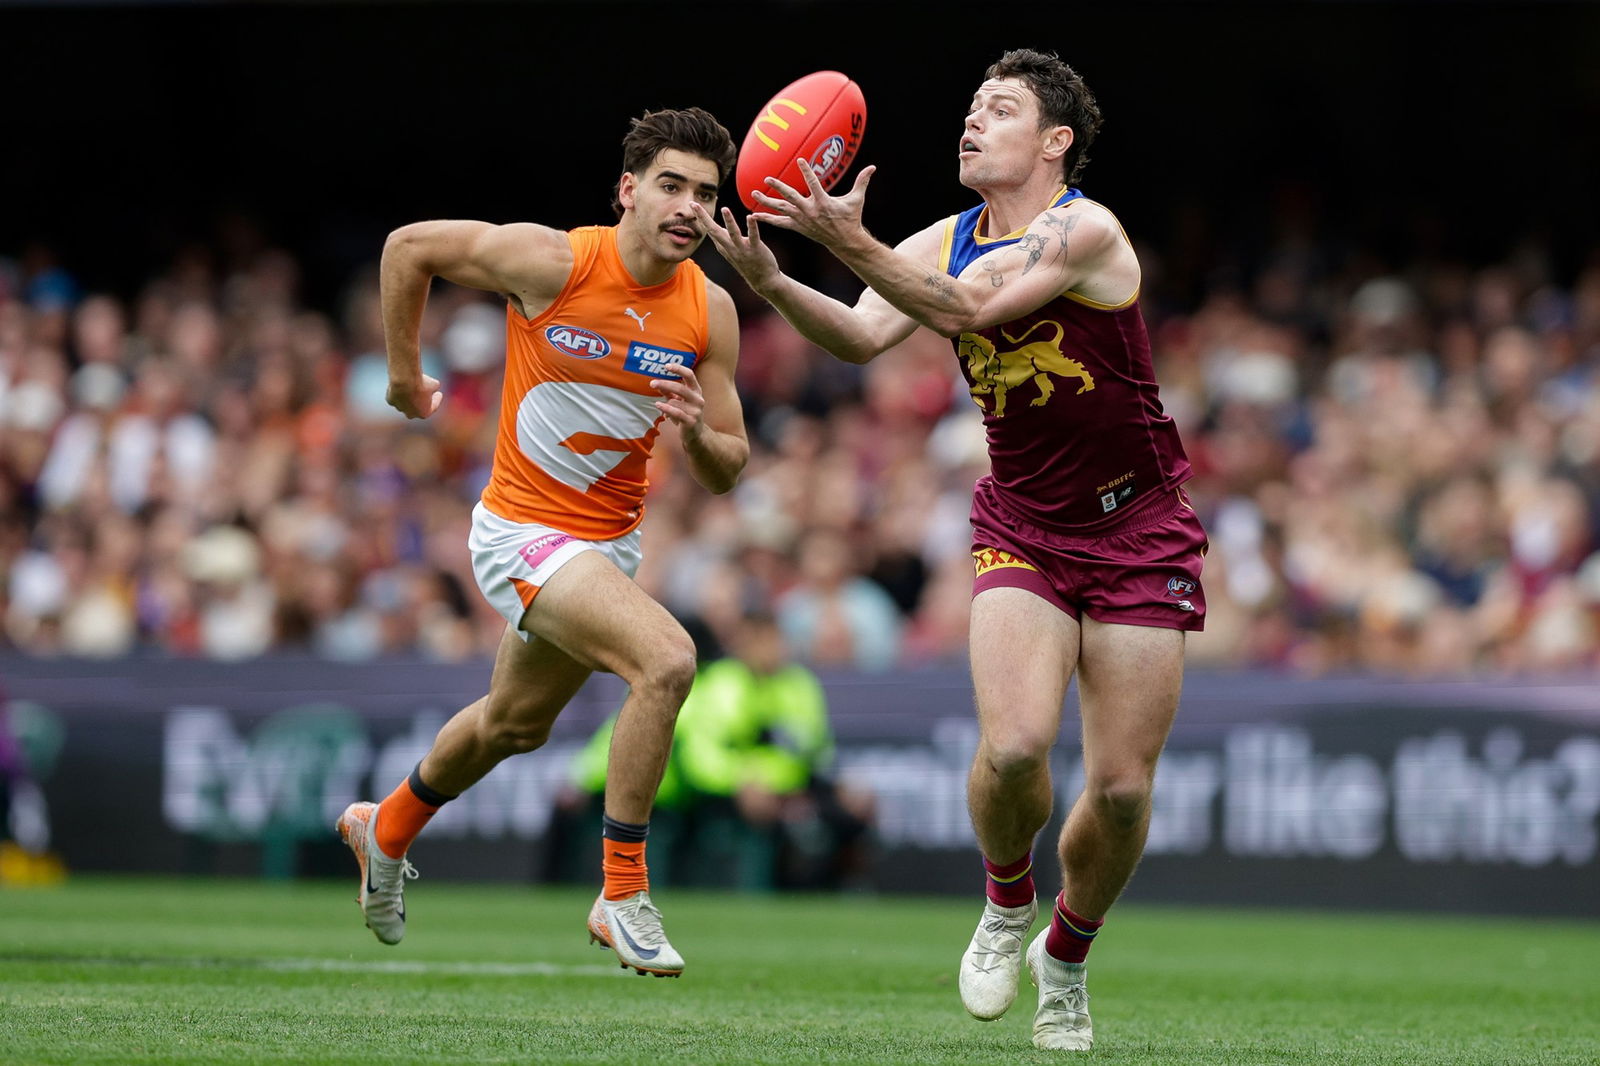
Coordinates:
(1178,586)
(577,342)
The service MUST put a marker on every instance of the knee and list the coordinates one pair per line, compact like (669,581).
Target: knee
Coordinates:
(1122,798)
(1017,754)
(669,672)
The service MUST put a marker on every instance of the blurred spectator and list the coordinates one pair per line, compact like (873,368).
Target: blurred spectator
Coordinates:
(10,766)
(30,742)
(747,794)
(755,747)
(1399,462)
(833,615)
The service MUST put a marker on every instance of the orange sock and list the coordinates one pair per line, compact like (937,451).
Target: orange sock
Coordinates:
(625,870)
(404,812)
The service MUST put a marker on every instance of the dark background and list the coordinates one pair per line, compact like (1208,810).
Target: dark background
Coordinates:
(1404,130)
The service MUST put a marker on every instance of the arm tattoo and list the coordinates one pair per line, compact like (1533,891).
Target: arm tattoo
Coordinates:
(939,285)
(1033,244)
(996,278)
(1064,225)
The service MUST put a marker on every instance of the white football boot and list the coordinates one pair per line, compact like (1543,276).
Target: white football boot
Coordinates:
(991,969)
(631,927)
(383,880)
(1062,1020)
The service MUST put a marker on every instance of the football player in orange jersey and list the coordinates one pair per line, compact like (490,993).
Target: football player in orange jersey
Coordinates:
(610,331)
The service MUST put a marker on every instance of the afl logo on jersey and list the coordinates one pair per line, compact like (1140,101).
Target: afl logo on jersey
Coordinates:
(577,342)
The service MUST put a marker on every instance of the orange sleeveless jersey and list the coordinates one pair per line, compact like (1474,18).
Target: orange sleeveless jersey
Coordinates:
(577,413)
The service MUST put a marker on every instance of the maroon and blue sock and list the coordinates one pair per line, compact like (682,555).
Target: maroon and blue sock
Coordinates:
(1011,884)
(1071,935)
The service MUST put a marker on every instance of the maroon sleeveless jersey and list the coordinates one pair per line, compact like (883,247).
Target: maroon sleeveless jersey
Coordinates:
(1077,435)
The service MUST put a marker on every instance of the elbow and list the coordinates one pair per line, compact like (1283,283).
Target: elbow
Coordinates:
(721,476)
(856,354)
(400,238)
(730,479)
(396,246)
(404,246)
(953,324)
(963,313)
(734,471)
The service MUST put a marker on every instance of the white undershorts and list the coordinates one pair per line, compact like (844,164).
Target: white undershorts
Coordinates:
(513,560)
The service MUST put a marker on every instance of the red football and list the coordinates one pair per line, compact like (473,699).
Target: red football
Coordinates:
(821,117)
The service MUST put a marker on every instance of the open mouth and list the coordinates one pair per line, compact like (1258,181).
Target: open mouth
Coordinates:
(682,233)
(969,145)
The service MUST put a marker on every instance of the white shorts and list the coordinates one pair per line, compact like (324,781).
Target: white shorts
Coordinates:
(513,560)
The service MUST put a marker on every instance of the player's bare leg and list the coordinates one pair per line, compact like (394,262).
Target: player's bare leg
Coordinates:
(599,615)
(531,682)
(1129,678)
(1023,650)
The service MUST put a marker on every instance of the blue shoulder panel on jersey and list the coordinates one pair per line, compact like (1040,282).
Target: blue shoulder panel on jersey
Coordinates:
(965,246)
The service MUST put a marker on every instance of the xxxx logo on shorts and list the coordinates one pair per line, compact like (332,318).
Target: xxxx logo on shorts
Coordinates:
(987,559)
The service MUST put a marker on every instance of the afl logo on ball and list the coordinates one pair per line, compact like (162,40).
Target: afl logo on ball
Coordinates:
(577,342)
(827,156)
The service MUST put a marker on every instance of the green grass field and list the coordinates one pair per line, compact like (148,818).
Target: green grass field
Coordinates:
(163,971)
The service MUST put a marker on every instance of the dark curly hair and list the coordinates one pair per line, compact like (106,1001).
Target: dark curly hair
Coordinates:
(694,130)
(1064,100)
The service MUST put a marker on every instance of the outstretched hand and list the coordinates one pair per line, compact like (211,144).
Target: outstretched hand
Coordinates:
(829,220)
(747,254)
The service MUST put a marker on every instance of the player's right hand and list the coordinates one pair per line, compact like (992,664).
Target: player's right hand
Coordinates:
(416,399)
(748,255)
(829,220)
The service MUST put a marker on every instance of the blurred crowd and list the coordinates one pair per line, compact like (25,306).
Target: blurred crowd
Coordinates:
(1399,465)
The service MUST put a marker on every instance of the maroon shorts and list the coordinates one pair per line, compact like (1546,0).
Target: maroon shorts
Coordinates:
(1143,573)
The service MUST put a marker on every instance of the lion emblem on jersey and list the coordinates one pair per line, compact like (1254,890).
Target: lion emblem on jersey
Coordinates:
(995,373)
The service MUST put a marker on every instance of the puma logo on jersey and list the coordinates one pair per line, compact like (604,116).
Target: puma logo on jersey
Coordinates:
(636,316)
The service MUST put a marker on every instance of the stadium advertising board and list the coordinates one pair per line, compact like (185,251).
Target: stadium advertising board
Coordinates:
(1272,791)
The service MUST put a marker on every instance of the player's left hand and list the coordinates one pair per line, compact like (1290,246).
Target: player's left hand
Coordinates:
(826,219)
(682,400)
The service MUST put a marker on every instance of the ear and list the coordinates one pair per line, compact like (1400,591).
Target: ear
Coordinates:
(1058,141)
(626,188)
